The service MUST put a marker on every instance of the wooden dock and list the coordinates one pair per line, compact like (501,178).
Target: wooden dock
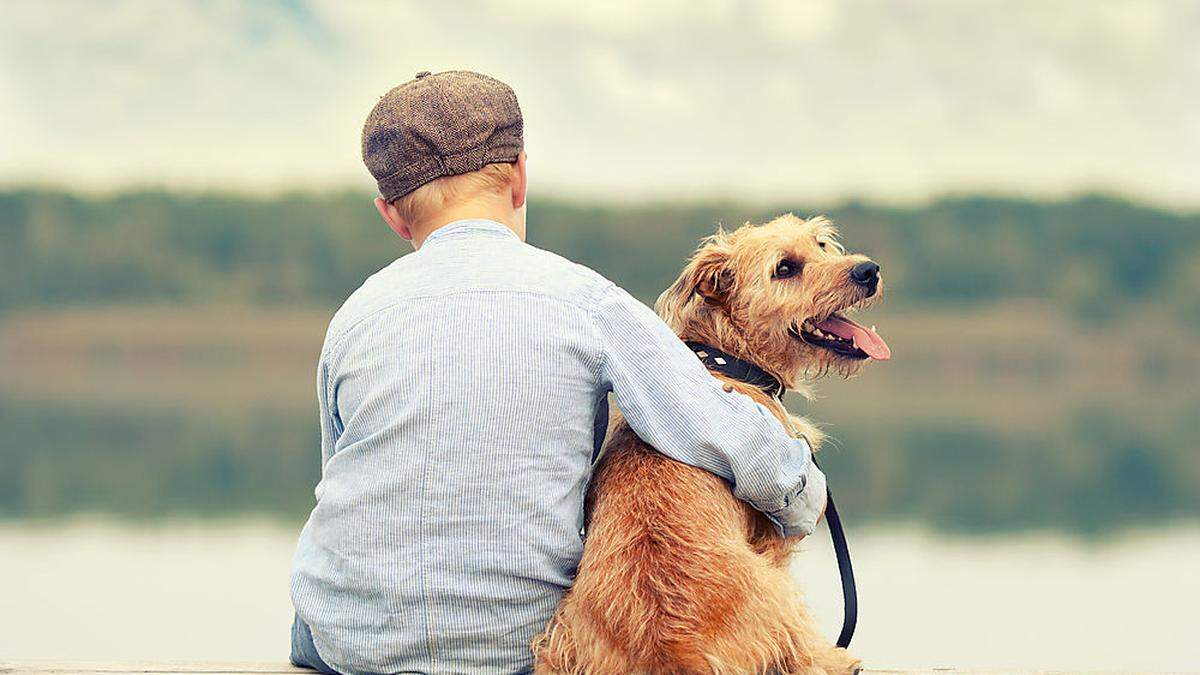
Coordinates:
(270,667)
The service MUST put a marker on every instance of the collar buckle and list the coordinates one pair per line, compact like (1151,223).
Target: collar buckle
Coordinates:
(738,369)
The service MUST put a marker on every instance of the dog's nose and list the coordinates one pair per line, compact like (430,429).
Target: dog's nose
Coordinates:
(865,274)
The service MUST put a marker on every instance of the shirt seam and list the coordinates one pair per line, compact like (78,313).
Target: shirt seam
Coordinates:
(425,613)
(335,347)
(593,310)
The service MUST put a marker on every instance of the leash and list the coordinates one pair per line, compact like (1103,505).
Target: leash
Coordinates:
(745,371)
(845,569)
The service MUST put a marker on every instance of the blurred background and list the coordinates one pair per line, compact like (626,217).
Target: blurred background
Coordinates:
(183,207)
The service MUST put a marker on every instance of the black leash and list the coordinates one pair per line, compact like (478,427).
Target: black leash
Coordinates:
(845,569)
(747,372)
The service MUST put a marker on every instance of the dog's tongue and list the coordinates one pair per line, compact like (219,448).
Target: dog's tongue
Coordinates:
(864,338)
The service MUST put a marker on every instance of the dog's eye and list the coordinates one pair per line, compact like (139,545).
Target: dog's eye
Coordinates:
(786,269)
(821,244)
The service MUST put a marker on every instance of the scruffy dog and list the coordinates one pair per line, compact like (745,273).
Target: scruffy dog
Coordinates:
(678,575)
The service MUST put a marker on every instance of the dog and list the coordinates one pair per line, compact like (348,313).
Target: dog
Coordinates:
(678,575)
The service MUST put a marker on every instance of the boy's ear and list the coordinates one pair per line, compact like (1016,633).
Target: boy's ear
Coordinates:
(520,182)
(391,216)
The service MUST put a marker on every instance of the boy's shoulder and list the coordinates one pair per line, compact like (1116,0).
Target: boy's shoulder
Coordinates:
(574,279)
(534,271)
(370,297)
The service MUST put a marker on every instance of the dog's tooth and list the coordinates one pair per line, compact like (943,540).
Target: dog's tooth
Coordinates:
(872,328)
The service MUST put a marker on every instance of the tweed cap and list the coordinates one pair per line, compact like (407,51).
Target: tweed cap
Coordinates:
(440,125)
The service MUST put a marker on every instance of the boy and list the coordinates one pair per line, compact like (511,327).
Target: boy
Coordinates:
(459,389)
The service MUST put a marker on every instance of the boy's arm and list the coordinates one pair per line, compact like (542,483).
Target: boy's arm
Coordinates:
(673,403)
(331,424)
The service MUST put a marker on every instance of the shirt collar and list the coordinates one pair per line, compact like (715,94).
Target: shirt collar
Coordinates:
(470,228)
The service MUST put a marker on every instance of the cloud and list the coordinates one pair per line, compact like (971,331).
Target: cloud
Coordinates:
(805,100)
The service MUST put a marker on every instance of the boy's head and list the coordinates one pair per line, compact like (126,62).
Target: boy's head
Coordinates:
(444,147)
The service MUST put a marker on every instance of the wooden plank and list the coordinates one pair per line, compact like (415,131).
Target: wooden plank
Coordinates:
(49,667)
(39,667)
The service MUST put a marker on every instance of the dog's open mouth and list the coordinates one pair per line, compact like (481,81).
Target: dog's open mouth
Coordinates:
(844,337)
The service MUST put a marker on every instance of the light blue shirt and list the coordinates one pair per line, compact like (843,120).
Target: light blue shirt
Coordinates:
(457,390)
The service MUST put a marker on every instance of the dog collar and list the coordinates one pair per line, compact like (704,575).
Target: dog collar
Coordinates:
(738,369)
(747,372)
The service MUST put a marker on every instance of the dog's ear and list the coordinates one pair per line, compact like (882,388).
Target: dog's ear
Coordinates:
(708,274)
(713,277)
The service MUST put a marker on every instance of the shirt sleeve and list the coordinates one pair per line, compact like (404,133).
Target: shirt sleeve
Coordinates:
(331,425)
(673,403)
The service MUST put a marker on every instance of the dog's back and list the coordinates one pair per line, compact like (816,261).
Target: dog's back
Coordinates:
(678,576)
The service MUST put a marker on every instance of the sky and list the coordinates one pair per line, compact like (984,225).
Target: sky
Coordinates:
(773,99)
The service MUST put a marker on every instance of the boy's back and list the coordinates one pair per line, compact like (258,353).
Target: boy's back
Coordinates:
(457,391)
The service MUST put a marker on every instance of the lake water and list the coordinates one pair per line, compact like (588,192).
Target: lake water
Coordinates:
(1055,483)
(163,412)
(204,589)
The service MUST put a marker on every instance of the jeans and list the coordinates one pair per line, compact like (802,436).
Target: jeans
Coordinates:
(304,653)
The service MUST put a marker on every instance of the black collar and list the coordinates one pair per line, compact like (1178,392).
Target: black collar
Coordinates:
(738,369)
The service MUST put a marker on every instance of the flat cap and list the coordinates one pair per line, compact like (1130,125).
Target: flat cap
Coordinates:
(439,125)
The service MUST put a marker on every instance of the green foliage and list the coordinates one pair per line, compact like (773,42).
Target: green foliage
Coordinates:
(1092,473)
(58,248)
(1095,471)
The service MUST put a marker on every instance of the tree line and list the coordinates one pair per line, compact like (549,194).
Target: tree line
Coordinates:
(1091,254)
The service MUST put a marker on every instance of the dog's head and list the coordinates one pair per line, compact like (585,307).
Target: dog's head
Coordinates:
(778,295)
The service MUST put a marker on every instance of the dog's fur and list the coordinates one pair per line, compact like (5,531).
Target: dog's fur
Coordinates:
(678,575)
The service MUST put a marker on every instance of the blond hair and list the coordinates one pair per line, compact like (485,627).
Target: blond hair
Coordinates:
(426,201)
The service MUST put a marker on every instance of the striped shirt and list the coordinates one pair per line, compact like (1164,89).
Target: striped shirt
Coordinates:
(457,389)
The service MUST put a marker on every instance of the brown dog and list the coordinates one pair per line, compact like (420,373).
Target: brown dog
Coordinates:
(678,575)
